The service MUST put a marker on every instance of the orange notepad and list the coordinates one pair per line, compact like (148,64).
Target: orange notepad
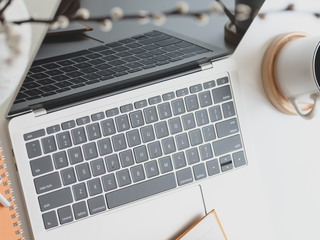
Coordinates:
(207,228)
(9,223)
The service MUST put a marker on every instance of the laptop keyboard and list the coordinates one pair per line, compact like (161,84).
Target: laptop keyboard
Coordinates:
(60,74)
(106,159)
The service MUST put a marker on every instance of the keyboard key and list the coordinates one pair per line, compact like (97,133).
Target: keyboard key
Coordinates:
(188,121)
(33,135)
(151,169)
(154,100)
(168,145)
(165,164)
(154,150)
(215,113)
(54,72)
(123,177)
(228,110)
(227,127)
(60,160)
(41,165)
(99,48)
(108,127)
(126,158)
(109,182)
(223,80)
(141,190)
(195,137)
(175,125)
(184,176)
(179,160)
(199,171)
(104,146)
(50,220)
(227,145)
(167,42)
(38,76)
(94,187)
(136,119)
(178,107)
(122,123)
(68,125)
(168,96)
(80,210)
(119,142)
(37,69)
(161,129)
(90,150)
(137,173)
(182,92)
(96,205)
(140,154)
(205,99)
(83,171)
(47,183)
(150,115)
(196,88)
(221,94)
(202,117)
(112,162)
(183,44)
(68,176)
(182,141)
(126,108)
(192,156)
(147,134)
(239,159)
(206,152)
(65,62)
(75,155)
(79,59)
(133,138)
(57,78)
(63,140)
(97,167)
(225,160)
(213,167)
(226,167)
(209,84)
(33,149)
(65,215)
(93,131)
(164,111)
(112,112)
(192,103)
(78,136)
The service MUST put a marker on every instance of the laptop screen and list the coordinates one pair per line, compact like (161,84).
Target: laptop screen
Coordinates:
(50,88)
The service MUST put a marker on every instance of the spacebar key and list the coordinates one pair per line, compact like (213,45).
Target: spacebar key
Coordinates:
(141,190)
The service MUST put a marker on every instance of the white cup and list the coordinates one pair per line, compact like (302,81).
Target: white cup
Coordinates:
(297,73)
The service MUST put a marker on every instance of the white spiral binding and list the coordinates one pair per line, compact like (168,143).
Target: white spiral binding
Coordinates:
(11,199)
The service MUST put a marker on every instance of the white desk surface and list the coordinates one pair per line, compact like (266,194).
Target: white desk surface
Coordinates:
(285,147)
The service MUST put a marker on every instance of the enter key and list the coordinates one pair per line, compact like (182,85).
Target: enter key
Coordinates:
(227,127)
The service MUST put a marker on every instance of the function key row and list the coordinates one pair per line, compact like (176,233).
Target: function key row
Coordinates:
(221,94)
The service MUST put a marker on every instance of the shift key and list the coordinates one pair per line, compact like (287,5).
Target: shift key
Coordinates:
(227,145)
(55,199)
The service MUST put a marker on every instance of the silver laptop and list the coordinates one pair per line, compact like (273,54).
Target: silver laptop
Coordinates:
(115,140)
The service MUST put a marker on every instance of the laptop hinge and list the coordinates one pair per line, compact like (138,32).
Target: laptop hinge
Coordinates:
(39,112)
(206,66)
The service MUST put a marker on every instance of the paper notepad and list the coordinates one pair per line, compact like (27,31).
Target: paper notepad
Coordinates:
(9,223)
(208,228)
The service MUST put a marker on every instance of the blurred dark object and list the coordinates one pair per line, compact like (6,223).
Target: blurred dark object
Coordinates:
(68,8)
(236,28)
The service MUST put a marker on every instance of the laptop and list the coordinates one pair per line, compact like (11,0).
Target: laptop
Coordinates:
(114,140)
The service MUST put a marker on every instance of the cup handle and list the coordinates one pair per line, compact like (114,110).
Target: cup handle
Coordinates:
(313,112)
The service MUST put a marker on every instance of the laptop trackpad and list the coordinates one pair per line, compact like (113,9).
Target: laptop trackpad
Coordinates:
(165,217)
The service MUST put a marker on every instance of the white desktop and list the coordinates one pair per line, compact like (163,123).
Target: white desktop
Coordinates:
(277,196)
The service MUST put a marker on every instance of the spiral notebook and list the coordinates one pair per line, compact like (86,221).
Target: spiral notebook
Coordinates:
(9,217)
